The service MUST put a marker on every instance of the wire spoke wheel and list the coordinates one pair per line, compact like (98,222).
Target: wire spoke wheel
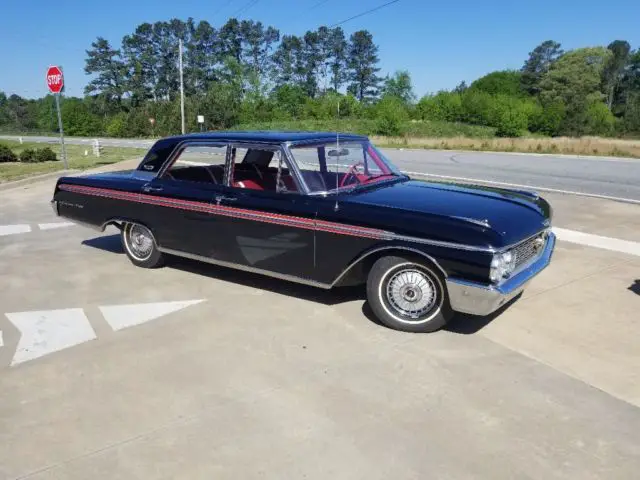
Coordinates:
(411,293)
(139,241)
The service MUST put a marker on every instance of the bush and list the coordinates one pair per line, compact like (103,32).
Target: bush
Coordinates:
(45,155)
(117,126)
(7,155)
(391,115)
(39,155)
(509,116)
(444,106)
(28,156)
(600,120)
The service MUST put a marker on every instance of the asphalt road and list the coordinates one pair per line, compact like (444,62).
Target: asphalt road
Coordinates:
(596,176)
(192,371)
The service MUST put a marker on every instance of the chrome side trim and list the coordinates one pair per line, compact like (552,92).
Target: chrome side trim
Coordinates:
(245,268)
(380,249)
(439,243)
(483,299)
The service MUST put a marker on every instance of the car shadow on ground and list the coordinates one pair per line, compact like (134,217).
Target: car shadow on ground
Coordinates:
(460,323)
(112,244)
(635,287)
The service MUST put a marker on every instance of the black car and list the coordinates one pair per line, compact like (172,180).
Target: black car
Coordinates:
(323,209)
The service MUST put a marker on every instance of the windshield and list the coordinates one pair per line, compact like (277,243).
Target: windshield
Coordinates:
(332,166)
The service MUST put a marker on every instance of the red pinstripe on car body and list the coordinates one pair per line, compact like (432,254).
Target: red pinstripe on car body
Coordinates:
(266,217)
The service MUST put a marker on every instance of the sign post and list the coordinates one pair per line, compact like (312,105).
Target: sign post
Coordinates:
(55,82)
(201,121)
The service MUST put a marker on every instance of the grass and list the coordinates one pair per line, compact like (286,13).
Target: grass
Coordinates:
(75,155)
(560,145)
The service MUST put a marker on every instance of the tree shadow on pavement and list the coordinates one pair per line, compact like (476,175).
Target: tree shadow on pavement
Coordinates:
(635,287)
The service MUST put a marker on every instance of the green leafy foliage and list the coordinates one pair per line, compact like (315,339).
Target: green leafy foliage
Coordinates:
(391,114)
(45,155)
(506,82)
(6,154)
(28,155)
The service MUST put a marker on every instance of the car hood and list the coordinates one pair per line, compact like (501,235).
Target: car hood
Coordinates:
(512,215)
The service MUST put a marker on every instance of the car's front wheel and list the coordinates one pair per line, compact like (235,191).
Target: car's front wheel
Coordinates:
(140,246)
(406,294)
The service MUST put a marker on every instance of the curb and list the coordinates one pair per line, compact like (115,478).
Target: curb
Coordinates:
(34,179)
(61,173)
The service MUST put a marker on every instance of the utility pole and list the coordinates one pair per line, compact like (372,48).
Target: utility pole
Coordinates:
(181,86)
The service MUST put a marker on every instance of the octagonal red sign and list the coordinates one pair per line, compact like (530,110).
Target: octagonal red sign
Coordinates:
(55,79)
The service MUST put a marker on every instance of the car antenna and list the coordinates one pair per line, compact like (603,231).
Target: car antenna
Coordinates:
(338,155)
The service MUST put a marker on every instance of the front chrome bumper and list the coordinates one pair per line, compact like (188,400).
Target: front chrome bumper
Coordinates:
(480,299)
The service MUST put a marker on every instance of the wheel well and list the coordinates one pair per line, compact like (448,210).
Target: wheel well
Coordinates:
(358,271)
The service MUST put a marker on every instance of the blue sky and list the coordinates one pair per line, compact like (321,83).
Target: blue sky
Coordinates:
(440,43)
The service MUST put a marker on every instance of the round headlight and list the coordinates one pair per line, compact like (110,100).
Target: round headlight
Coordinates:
(502,265)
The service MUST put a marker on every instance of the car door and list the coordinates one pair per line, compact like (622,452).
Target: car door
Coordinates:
(177,204)
(269,224)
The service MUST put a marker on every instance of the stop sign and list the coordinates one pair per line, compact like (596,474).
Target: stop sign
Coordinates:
(55,79)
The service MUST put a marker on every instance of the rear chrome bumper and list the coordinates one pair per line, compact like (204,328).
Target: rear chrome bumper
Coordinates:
(480,299)
(54,206)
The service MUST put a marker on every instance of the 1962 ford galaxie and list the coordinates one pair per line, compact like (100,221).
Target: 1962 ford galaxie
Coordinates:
(325,210)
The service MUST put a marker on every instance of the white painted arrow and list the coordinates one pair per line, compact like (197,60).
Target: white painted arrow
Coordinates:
(51,226)
(124,316)
(48,331)
(13,229)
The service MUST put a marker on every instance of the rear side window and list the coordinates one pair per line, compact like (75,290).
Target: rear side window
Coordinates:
(199,163)
(156,156)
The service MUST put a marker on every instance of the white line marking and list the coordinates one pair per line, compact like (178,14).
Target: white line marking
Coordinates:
(45,332)
(124,316)
(607,243)
(13,229)
(1,339)
(51,226)
(529,187)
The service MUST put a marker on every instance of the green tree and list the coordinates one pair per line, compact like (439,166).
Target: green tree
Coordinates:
(362,62)
(575,80)
(399,85)
(77,119)
(506,82)
(337,57)
(391,114)
(613,71)
(110,71)
(444,106)
(538,64)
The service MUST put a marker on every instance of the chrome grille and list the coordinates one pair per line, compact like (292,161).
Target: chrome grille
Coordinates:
(529,249)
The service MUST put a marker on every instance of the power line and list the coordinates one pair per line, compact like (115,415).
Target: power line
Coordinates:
(364,13)
(223,6)
(320,3)
(245,7)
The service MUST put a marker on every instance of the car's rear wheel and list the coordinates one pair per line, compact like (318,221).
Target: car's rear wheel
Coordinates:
(140,246)
(406,294)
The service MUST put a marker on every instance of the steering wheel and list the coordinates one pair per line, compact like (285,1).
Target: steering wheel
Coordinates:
(351,173)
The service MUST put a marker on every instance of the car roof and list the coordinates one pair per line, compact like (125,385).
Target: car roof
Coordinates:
(268,136)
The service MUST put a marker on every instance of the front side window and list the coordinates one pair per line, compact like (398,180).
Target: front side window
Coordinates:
(330,167)
(260,169)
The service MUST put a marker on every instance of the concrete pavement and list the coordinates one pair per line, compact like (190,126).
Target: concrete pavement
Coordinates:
(193,371)
(612,177)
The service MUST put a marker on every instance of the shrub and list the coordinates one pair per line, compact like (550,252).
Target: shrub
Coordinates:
(600,120)
(445,106)
(7,155)
(45,155)
(117,126)
(28,156)
(391,114)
